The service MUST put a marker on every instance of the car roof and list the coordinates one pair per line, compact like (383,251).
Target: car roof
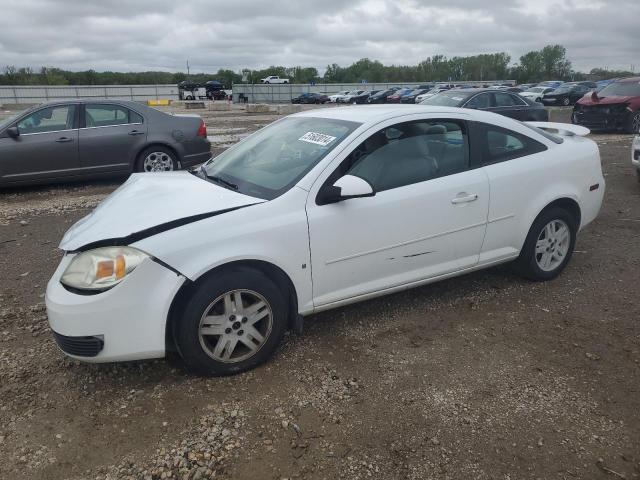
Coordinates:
(371,114)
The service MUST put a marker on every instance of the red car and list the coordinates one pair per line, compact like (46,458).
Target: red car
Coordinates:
(395,98)
(615,107)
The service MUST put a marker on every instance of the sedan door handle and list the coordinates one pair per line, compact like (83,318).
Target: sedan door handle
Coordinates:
(464,198)
(136,132)
(64,140)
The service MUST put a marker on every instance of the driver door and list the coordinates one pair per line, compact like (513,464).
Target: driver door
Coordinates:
(426,219)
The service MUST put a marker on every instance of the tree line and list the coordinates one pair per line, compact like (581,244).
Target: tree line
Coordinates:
(548,63)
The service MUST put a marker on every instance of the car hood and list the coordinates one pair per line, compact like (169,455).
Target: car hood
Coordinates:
(588,100)
(149,203)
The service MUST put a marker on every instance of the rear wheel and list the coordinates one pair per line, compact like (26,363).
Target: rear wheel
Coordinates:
(548,246)
(232,323)
(157,159)
(566,101)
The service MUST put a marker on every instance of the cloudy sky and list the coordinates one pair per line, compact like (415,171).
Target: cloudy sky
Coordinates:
(130,35)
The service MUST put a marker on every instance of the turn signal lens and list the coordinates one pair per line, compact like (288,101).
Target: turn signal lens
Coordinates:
(102,268)
(121,268)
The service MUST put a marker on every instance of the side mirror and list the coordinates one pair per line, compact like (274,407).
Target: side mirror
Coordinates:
(13,132)
(345,188)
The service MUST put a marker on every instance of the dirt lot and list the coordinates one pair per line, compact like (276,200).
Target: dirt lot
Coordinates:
(485,376)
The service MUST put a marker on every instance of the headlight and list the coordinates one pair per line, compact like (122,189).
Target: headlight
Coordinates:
(102,268)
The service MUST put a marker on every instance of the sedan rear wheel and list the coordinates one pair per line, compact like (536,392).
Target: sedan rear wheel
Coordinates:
(566,102)
(157,159)
(233,322)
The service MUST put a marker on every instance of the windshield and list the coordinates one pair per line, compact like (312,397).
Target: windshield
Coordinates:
(536,89)
(621,89)
(272,160)
(7,121)
(446,99)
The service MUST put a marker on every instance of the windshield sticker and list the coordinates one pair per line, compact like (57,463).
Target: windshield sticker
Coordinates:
(457,98)
(317,138)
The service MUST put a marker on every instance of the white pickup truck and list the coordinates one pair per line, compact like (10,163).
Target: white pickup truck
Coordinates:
(274,79)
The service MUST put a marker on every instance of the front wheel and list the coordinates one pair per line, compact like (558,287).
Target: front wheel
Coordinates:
(566,102)
(232,323)
(548,246)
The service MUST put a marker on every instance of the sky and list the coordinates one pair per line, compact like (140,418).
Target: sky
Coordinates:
(136,35)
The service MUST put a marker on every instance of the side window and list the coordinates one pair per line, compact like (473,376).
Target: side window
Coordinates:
(135,117)
(410,152)
(505,100)
(49,119)
(501,144)
(105,115)
(482,100)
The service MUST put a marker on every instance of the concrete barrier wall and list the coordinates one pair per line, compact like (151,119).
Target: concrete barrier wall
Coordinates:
(37,94)
(283,93)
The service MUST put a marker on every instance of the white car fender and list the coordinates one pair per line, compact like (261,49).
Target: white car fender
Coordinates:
(199,247)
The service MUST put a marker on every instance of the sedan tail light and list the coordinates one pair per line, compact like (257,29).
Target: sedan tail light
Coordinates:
(202,130)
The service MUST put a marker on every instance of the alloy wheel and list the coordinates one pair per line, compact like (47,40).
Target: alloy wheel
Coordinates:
(552,245)
(235,326)
(157,162)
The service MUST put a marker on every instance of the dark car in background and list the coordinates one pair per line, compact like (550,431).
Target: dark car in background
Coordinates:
(363,97)
(615,107)
(60,141)
(381,97)
(411,96)
(568,93)
(311,98)
(492,100)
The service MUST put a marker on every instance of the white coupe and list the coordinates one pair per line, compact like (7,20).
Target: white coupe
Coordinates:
(317,210)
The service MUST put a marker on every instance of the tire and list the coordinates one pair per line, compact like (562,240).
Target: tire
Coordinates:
(633,125)
(531,262)
(189,97)
(228,352)
(566,102)
(157,158)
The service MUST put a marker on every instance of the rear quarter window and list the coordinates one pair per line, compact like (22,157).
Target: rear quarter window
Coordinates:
(501,144)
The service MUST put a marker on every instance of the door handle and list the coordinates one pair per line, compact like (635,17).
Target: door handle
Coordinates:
(64,140)
(136,132)
(464,198)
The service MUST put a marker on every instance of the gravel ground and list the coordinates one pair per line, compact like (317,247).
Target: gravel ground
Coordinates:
(485,376)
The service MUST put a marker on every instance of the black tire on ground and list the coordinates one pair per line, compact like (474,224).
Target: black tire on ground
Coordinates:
(156,149)
(526,264)
(633,124)
(187,331)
